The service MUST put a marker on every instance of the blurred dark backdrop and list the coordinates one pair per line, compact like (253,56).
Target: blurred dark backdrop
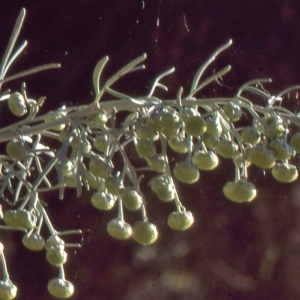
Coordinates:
(236,252)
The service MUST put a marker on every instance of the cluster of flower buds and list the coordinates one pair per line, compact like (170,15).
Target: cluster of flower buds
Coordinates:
(95,147)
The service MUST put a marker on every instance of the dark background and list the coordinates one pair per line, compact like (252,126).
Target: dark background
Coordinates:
(237,252)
